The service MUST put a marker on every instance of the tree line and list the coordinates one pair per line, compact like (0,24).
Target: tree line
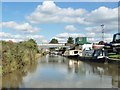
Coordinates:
(69,41)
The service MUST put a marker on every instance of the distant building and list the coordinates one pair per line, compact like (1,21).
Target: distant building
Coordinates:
(81,40)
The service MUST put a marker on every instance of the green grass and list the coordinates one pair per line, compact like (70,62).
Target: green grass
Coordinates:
(0,70)
(112,55)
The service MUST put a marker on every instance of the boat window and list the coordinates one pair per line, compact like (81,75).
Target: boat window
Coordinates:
(75,52)
(117,39)
(87,49)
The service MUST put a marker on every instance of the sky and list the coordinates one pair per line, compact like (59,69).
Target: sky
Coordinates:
(45,20)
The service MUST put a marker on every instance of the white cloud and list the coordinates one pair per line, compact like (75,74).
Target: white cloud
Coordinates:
(92,40)
(91,37)
(25,27)
(5,35)
(0,24)
(66,35)
(44,41)
(62,37)
(103,15)
(98,29)
(50,13)
(18,37)
(60,40)
(91,34)
(38,38)
(95,29)
(70,28)
(96,32)
(96,35)
(34,36)
(11,39)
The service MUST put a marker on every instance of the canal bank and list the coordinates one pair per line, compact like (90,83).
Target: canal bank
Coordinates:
(57,71)
(16,55)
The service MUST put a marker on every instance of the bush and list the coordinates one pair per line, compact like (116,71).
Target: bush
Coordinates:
(17,55)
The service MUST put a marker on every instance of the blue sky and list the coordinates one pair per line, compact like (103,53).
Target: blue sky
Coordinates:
(43,21)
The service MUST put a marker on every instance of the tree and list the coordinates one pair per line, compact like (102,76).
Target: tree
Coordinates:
(31,47)
(70,40)
(31,43)
(101,43)
(54,41)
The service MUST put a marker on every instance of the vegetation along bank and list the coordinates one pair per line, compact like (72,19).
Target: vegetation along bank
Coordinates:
(17,55)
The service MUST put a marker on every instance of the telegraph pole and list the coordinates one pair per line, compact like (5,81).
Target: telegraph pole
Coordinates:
(102,25)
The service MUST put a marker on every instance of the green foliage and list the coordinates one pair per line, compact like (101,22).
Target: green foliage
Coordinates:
(0,70)
(52,48)
(70,40)
(54,41)
(113,55)
(17,55)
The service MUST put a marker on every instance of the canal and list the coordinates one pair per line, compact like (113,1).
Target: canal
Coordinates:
(60,72)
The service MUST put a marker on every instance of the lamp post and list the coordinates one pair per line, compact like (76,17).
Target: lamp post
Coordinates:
(102,25)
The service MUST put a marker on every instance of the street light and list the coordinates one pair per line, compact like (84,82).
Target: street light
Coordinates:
(102,25)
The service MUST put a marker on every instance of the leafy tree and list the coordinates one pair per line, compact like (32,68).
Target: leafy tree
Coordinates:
(101,43)
(32,48)
(54,41)
(70,40)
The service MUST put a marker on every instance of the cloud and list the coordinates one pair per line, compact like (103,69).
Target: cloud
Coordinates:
(66,35)
(90,34)
(96,29)
(25,27)
(62,37)
(11,39)
(5,35)
(91,37)
(60,40)
(18,37)
(96,35)
(70,28)
(48,12)
(0,24)
(103,15)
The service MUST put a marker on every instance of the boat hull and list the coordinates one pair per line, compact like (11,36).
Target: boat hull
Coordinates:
(73,56)
(93,59)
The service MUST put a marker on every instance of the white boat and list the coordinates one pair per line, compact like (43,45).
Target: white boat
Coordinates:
(72,53)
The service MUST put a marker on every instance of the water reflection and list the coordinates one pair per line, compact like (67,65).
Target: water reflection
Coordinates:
(107,70)
(110,70)
(53,59)
(58,71)
(15,79)
(75,66)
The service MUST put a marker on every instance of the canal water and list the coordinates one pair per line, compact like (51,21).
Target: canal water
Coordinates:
(60,72)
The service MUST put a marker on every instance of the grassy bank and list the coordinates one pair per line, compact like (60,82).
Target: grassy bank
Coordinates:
(0,70)
(113,55)
(17,55)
